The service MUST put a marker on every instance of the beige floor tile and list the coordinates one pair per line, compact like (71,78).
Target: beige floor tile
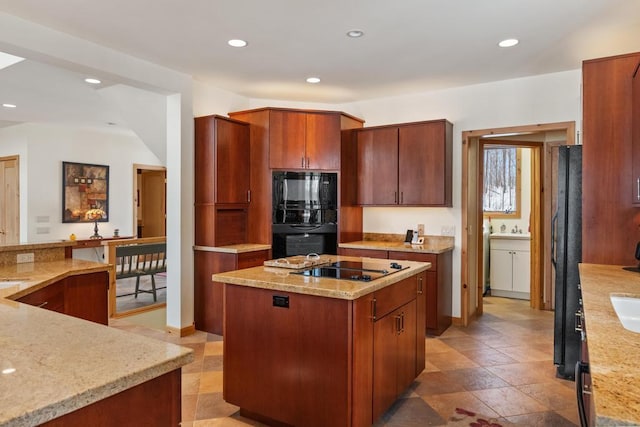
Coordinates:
(213,348)
(553,395)
(524,353)
(446,404)
(509,401)
(525,373)
(191,383)
(211,382)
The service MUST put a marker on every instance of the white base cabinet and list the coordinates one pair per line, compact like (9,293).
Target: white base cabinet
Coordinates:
(510,266)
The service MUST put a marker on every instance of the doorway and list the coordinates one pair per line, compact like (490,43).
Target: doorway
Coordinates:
(9,200)
(541,138)
(150,201)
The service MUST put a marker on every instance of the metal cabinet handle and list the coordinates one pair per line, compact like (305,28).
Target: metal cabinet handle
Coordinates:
(248,196)
(373,309)
(638,189)
(308,162)
(578,321)
(398,325)
(43,304)
(302,161)
(395,197)
(420,291)
(402,322)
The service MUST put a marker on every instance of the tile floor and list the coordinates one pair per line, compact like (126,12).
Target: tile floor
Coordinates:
(500,366)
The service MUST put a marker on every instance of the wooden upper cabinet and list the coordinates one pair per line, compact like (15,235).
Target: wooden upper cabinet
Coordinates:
(303,140)
(635,134)
(323,141)
(221,160)
(287,133)
(424,173)
(378,166)
(407,165)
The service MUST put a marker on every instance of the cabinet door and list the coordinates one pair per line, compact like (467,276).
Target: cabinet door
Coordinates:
(86,297)
(378,166)
(287,134)
(50,297)
(501,269)
(322,144)
(232,162)
(385,350)
(635,134)
(421,164)
(521,271)
(421,303)
(406,367)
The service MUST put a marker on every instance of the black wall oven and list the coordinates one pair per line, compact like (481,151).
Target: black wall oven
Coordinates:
(305,213)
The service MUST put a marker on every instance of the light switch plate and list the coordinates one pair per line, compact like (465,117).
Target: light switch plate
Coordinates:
(448,230)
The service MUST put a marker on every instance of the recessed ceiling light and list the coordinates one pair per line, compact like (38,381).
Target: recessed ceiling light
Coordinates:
(355,33)
(9,105)
(92,81)
(508,42)
(313,79)
(237,43)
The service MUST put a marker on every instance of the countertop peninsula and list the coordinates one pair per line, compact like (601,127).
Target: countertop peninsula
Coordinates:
(613,350)
(284,279)
(56,363)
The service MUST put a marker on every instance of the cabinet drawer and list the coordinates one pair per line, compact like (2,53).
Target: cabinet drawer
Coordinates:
(50,297)
(414,256)
(394,296)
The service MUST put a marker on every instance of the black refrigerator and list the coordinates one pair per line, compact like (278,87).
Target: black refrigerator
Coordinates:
(566,230)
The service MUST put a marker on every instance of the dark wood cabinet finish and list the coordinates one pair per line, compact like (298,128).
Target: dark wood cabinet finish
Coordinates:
(609,219)
(408,164)
(83,296)
(209,295)
(156,402)
(321,361)
(222,181)
(282,138)
(635,134)
(437,293)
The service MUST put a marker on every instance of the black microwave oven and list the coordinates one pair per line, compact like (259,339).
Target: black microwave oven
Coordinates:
(305,198)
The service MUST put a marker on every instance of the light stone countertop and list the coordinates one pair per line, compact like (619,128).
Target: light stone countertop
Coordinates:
(63,363)
(514,236)
(234,249)
(430,245)
(35,246)
(283,279)
(614,351)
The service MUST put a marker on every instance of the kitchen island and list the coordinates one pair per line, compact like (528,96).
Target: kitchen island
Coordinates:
(299,350)
(58,368)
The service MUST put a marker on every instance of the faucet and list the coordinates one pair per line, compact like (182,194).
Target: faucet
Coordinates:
(515,229)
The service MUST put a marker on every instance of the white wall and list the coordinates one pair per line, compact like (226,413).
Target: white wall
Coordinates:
(541,99)
(43,148)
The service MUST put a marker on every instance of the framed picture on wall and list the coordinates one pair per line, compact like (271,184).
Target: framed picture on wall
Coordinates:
(85,192)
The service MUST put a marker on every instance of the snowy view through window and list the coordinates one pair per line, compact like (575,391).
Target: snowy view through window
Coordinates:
(500,176)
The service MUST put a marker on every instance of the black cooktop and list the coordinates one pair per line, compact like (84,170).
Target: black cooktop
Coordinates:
(350,270)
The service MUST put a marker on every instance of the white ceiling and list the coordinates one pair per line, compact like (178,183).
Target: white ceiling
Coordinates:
(408,46)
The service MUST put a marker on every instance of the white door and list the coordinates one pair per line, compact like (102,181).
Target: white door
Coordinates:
(9,201)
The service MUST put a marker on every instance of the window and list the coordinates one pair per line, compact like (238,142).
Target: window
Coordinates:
(501,193)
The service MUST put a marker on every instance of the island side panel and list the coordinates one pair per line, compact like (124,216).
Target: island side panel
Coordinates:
(290,364)
(362,413)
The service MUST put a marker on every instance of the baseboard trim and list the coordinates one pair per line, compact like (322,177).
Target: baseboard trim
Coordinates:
(182,332)
(456,321)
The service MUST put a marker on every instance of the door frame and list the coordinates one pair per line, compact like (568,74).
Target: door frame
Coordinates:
(16,232)
(472,217)
(136,193)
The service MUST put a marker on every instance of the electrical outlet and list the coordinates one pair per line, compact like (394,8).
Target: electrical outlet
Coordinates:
(448,230)
(21,258)
(420,229)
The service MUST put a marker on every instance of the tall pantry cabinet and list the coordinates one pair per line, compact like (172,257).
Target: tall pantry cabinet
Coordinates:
(611,164)
(222,200)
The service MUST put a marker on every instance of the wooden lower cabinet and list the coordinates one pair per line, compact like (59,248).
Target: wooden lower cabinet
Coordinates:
(299,359)
(437,289)
(208,307)
(84,296)
(156,402)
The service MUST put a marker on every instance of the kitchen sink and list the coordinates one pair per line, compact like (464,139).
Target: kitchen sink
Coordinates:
(627,308)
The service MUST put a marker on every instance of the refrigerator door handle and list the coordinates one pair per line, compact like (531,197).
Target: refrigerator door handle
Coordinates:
(554,223)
